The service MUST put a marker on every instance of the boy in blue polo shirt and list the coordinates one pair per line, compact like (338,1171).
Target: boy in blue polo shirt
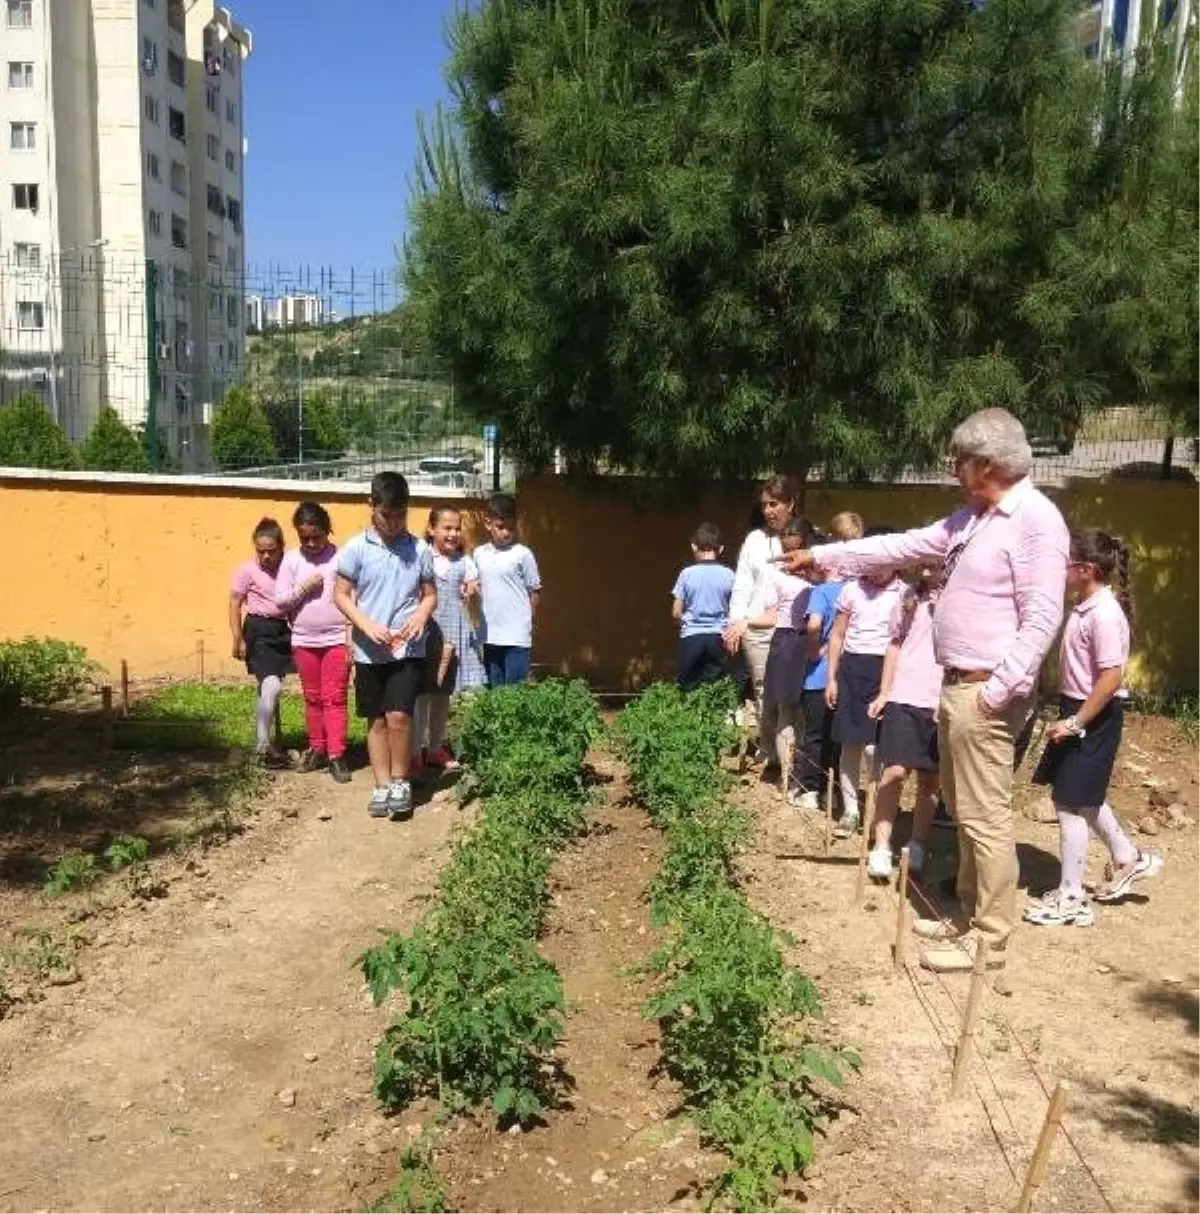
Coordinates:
(700,605)
(386,589)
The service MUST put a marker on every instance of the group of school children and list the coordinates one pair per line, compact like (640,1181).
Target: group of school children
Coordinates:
(851,674)
(418,618)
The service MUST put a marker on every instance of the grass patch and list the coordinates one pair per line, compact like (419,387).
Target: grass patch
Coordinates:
(1182,707)
(207,716)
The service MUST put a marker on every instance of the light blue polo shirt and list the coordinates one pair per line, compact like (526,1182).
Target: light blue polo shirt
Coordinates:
(507,577)
(387,580)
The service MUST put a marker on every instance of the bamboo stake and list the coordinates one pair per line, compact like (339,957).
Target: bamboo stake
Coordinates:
(864,845)
(787,760)
(124,688)
(901,944)
(200,656)
(966,1038)
(106,715)
(1041,1153)
(828,810)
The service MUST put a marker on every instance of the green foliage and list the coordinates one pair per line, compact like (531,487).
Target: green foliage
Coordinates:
(731,1011)
(325,435)
(125,851)
(418,1188)
(31,438)
(75,870)
(41,671)
(700,238)
(241,433)
(112,446)
(483,1009)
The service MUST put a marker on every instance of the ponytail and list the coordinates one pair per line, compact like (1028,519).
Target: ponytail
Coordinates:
(1109,555)
(1124,587)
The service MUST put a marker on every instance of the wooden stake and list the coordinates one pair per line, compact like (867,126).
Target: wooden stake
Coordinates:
(200,656)
(124,688)
(278,725)
(966,1038)
(901,944)
(864,845)
(1041,1153)
(787,760)
(106,715)
(828,810)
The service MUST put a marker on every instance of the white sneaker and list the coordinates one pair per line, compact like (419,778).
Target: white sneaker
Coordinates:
(809,802)
(1060,910)
(879,864)
(1118,882)
(916,858)
(847,826)
(400,800)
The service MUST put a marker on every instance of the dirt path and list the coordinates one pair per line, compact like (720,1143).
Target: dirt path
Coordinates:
(155,1082)
(616,1145)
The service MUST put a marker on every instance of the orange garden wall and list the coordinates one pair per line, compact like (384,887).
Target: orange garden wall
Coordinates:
(138,567)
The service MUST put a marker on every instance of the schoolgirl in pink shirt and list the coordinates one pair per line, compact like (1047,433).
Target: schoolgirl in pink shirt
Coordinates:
(861,634)
(1082,746)
(260,635)
(304,590)
(906,708)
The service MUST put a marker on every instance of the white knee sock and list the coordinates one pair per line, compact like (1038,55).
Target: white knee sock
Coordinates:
(1108,830)
(268,697)
(852,754)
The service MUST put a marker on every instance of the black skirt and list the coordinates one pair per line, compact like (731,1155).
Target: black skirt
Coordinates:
(859,676)
(787,662)
(1079,769)
(268,646)
(908,737)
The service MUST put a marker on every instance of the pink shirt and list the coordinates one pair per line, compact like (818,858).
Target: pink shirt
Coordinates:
(1006,570)
(256,588)
(316,622)
(917,678)
(779,591)
(868,609)
(1095,639)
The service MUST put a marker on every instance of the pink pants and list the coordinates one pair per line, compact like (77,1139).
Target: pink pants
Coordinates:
(324,677)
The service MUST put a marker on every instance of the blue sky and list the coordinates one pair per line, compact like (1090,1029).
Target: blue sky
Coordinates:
(331,100)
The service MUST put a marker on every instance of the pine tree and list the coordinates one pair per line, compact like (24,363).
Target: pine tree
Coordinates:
(112,446)
(31,438)
(241,434)
(712,237)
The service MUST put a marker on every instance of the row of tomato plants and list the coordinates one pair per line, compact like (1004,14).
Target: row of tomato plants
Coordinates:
(483,1010)
(736,1019)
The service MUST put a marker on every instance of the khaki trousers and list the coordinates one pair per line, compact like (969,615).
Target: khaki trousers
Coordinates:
(977,750)
(756,645)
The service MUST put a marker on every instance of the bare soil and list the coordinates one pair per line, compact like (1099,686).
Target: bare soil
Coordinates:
(215,1052)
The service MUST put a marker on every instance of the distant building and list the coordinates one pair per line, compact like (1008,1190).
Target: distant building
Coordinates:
(125,150)
(254,313)
(294,311)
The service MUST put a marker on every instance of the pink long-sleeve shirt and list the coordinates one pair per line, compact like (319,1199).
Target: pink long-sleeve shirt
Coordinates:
(1005,571)
(316,622)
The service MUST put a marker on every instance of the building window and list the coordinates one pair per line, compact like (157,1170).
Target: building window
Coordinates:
(150,109)
(175,17)
(176,72)
(231,315)
(30,315)
(214,147)
(25,198)
(149,56)
(28,256)
(154,222)
(230,111)
(216,204)
(20,14)
(214,304)
(211,98)
(214,249)
(231,257)
(230,160)
(235,213)
(179,232)
(176,124)
(179,179)
(21,136)
(20,75)
(153,168)
(229,57)
(150,3)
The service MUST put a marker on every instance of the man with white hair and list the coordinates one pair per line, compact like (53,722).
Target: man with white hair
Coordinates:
(1003,564)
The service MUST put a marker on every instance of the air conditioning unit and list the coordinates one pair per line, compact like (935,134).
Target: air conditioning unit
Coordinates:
(206,412)
(164,351)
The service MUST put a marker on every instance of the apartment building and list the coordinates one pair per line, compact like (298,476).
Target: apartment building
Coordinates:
(122,218)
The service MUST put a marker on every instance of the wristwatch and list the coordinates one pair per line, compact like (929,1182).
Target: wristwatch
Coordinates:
(1075,728)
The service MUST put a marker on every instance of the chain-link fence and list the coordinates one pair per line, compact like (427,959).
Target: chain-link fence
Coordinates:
(328,357)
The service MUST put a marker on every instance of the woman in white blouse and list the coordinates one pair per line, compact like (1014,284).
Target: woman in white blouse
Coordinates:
(777,497)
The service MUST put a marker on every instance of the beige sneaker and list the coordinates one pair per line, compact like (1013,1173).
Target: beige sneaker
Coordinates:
(958,957)
(938,929)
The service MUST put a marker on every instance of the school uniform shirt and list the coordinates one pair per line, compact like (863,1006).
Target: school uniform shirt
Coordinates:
(1095,639)
(782,592)
(387,578)
(507,577)
(822,603)
(917,678)
(316,622)
(704,589)
(256,588)
(868,609)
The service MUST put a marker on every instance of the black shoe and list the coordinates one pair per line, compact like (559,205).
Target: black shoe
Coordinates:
(339,769)
(313,760)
